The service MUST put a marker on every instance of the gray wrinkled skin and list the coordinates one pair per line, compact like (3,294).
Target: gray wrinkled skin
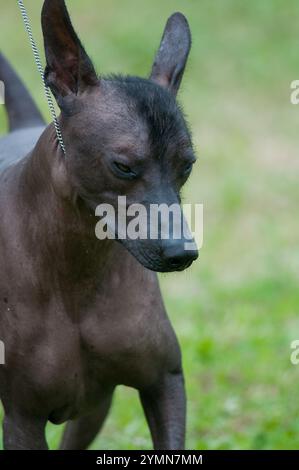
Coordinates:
(79,316)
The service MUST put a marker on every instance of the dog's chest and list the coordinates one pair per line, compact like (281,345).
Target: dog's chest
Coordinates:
(121,349)
(87,346)
(105,354)
(125,331)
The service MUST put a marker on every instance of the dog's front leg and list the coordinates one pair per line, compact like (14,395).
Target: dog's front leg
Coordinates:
(164,405)
(24,433)
(80,433)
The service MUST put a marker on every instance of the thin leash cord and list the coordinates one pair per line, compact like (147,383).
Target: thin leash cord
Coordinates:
(41,71)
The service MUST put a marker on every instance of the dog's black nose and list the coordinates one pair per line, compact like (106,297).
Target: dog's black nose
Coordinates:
(177,257)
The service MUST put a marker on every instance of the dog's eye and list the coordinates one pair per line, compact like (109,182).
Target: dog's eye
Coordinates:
(124,169)
(188,168)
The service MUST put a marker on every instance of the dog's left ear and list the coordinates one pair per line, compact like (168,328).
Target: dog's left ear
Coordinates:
(69,69)
(171,58)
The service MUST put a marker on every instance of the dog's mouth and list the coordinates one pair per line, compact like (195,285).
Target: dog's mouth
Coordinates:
(150,254)
(153,261)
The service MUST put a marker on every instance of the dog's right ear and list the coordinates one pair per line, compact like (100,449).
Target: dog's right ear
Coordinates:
(69,70)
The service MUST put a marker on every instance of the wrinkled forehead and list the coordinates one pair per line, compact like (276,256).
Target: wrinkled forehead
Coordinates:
(108,119)
(133,116)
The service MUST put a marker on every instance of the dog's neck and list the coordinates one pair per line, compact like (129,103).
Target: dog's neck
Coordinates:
(66,225)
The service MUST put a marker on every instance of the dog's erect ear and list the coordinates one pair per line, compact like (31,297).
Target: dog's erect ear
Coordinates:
(171,58)
(69,69)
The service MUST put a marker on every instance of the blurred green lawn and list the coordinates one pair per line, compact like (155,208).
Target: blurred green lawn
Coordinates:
(237,310)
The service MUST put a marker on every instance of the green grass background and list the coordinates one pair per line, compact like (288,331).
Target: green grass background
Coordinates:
(237,309)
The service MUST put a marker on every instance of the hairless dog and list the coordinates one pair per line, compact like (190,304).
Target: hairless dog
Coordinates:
(78,315)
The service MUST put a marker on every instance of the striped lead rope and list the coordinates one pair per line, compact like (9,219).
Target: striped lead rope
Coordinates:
(41,71)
